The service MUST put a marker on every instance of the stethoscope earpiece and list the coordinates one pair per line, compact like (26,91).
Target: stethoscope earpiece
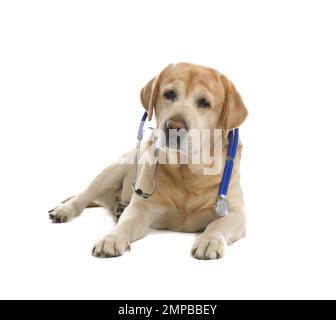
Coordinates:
(138,191)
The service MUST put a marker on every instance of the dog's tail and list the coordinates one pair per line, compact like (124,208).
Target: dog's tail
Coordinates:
(90,205)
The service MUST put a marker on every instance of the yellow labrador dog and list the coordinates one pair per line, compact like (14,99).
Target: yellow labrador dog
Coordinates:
(182,97)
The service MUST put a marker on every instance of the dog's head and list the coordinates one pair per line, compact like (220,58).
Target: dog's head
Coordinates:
(185,96)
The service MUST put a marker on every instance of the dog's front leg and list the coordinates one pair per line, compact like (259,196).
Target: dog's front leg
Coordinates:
(211,243)
(133,224)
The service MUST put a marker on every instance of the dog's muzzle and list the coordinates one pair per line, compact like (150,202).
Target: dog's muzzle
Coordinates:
(177,123)
(176,131)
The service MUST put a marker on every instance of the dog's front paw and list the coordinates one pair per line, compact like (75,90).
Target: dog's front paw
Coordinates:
(113,245)
(62,213)
(208,246)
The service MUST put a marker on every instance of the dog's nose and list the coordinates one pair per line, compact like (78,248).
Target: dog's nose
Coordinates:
(177,123)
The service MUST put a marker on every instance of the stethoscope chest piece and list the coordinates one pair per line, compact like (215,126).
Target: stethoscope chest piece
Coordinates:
(221,208)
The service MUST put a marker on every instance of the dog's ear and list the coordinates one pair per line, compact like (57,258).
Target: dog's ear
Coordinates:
(148,96)
(149,93)
(234,111)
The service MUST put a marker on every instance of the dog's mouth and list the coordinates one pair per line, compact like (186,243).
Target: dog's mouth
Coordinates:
(176,139)
(175,133)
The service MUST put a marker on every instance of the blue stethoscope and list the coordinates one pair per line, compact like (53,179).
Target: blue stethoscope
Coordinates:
(221,208)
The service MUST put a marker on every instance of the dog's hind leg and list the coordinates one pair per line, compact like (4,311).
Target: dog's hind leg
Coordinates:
(109,181)
(90,205)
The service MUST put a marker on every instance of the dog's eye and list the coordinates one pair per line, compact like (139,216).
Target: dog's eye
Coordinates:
(203,103)
(170,95)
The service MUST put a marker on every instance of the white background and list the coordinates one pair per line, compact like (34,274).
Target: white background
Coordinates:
(70,76)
